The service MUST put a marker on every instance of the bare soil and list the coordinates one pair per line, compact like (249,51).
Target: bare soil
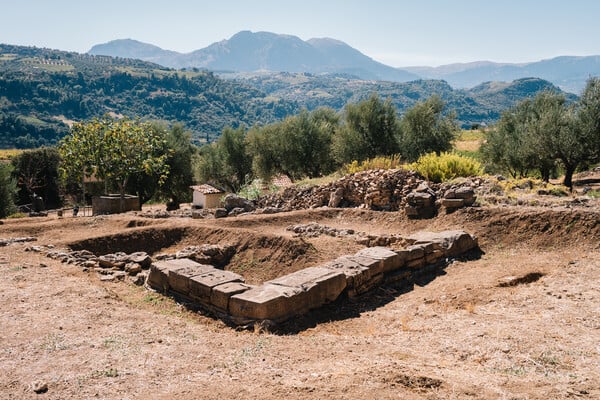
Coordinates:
(520,321)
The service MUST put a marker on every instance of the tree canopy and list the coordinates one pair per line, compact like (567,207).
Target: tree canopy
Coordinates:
(425,129)
(538,133)
(114,150)
(370,128)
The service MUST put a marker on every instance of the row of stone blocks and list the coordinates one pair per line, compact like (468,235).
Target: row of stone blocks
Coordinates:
(226,294)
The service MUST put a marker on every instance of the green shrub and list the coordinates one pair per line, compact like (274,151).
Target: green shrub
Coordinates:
(381,162)
(7,191)
(446,166)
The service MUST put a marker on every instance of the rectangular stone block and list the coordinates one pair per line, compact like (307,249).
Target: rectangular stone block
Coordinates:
(266,302)
(201,285)
(452,243)
(434,256)
(453,203)
(220,294)
(416,263)
(359,278)
(179,277)
(415,252)
(389,260)
(320,285)
(158,278)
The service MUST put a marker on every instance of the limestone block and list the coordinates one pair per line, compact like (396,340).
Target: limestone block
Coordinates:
(452,243)
(359,278)
(453,203)
(158,278)
(416,251)
(220,294)
(200,285)
(140,257)
(266,302)
(179,276)
(416,263)
(467,194)
(320,285)
(388,259)
(434,256)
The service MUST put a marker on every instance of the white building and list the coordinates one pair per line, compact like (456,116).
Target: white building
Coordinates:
(206,196)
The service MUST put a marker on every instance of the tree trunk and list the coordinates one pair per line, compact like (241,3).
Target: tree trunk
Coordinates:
(569,171)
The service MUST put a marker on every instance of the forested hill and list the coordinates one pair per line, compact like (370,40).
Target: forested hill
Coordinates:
(43,90)
(481,104)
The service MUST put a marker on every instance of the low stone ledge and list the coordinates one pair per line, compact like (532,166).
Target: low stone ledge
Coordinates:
(180,277)
(277,300)
(389,260)
(265,302)
(320,285)
(201,286)
(452,243)
(360,278)
(220,294)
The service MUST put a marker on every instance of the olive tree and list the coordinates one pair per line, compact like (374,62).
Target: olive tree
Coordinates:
(369,129)
(425,129)
(113,150)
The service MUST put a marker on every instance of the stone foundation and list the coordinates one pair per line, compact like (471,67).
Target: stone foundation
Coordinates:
(277,300)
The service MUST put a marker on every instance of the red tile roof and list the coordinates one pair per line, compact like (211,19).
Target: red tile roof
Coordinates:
(206,189)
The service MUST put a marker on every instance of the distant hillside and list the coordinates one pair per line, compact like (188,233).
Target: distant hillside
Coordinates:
(255,51)
(42,91)
(482,104)
(568,73)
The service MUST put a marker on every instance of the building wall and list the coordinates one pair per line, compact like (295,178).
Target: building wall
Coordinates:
(201,200)
(112,204)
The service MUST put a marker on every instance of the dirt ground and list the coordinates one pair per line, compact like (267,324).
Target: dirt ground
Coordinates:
(461,335)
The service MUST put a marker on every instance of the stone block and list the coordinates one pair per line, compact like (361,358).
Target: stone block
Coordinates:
(320,285)
(359,278)
(201,285)
(158,278)
(416,263)
(452,243)
(179,276)
(266,302)
(220,294)
(389,260)
(465,193)
(415,252)
(420,200)
(411,211)
(434,256)
(453,203)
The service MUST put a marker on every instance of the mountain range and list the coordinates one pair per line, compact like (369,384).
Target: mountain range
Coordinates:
(265,51)
(43,91)
(248,52)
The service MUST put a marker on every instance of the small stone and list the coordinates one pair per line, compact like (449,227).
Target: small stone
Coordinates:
(133,268)
(39,387)
(221,213)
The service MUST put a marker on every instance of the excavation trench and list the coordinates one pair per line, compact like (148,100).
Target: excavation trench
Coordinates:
(257,257)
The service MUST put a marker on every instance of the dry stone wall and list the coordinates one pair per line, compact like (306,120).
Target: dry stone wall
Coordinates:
(385,190)
(226,294)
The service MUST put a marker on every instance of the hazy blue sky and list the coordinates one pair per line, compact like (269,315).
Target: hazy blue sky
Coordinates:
(398,33)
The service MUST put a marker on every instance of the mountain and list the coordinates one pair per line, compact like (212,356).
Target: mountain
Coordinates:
(567,72)
(43,91)
(481,104)
(129,48)
(255,51)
